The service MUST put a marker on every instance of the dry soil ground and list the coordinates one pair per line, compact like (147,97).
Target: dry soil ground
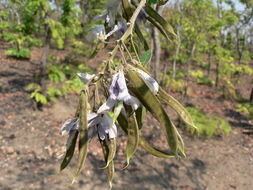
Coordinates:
(31,147)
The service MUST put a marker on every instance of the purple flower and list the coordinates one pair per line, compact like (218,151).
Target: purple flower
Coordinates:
(119,92)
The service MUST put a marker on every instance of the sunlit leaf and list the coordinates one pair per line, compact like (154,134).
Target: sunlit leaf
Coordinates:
(132,137)
(150,101)
(146,57)
(175,105)
(152,150)
(159,19)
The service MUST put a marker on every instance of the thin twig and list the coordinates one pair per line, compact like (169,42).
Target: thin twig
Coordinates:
(129,31)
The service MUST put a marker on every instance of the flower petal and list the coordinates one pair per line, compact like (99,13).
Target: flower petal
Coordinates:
(85,77)
(107,106)
(107,126)
(133,102)
(112,131)
(91,116)
(94,122)
(70,125)
(149,81)
(92,131)
(121,84)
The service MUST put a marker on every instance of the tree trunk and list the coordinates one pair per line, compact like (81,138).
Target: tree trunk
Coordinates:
(238,48)
(44,56)
(189,62)
(176,54)
(209,63)
(217,80)
(251,97)
(156,48)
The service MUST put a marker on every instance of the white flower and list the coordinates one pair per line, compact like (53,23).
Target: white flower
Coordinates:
(119,92)
(104,125)
(101,124)
(85,77)
(70,125)
(149,81)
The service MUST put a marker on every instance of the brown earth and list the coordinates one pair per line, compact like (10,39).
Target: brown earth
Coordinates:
(31,147)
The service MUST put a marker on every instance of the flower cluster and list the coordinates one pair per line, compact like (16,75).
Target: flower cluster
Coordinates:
(102,123)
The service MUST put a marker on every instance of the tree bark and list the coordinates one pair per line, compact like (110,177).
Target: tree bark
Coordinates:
(209,63)
(176,54)
(217,79)
(44,56)
(238,48)
(189,62)
(156,48)
(251,97)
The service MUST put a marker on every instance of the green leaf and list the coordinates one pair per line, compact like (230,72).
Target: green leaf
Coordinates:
(162,2)
(132,137)
(40,98)
(106,152)
(146,57)
(152,1)
(150,101)
(111,152)
(152,150)
(159,19)
(140,115)
(175,105)
(70,149)
(83,132)
(129,12)
(110,170)
(155,151)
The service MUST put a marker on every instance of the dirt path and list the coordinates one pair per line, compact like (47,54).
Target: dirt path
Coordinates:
(31,148)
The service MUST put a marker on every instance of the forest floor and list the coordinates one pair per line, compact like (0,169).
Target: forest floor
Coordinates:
(31,147)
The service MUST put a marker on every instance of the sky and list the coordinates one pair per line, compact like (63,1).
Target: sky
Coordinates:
(238,5)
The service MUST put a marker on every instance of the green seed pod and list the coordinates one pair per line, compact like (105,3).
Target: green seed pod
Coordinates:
(83,132)
(70,149)
(150,101)
(132,137)
(110,170)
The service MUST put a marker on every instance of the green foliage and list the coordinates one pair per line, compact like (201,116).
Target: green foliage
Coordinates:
(201,78)
(36,93)
(19,54)
(58,32)
(246,109)
(63,81)
(146,57)
(209,125)
(56,74)
(81,48)
(20,45)
(174,85)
